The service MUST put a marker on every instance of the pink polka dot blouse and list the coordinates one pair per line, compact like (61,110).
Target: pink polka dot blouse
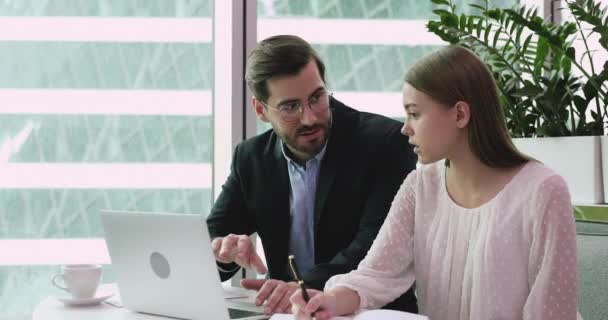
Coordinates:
(514,257)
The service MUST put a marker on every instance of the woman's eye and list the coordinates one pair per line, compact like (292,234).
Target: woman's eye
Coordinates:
(412,115)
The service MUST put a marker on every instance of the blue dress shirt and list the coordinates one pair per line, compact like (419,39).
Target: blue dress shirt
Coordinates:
(303,187)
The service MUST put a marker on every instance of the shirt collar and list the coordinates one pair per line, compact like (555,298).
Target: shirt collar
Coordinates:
(319,156)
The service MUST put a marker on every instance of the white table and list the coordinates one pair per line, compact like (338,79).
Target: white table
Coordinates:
(52,309)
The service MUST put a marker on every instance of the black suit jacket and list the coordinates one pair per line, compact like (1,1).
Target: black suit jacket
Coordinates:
(366,160)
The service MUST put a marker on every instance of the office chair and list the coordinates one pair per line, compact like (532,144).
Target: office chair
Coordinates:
(592,243)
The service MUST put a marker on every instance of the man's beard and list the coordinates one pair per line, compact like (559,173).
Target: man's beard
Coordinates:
(309,148)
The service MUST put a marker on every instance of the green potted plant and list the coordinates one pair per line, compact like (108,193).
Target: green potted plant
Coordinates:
(550,100)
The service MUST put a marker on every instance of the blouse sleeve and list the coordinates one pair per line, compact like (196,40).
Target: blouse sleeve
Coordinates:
(388,269)
(552,269)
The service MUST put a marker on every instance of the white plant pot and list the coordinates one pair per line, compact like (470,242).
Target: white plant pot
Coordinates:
(604,140)
(577,159)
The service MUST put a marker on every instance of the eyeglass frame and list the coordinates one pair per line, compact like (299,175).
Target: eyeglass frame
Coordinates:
(300,107)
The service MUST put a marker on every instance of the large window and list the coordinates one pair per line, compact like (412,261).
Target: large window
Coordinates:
(366,45)
(105,105)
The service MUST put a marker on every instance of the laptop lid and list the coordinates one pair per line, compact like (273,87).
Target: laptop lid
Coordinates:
(164,264)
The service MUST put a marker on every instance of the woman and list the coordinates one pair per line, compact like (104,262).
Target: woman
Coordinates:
(486,232)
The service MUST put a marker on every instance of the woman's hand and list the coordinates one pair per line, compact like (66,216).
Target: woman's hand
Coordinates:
(322,304)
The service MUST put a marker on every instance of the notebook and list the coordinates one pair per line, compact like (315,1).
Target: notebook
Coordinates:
(367,315)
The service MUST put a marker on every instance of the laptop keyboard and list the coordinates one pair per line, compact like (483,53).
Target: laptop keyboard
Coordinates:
(238,314)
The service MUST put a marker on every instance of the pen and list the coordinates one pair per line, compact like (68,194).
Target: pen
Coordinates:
(296,276)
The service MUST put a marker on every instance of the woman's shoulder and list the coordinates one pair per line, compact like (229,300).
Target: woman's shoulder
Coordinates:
(536,182)
(427,174)
(540,177)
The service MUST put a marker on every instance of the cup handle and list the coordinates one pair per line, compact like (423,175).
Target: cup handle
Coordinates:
(54,281)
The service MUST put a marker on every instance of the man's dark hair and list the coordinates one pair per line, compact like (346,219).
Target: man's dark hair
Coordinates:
(278,56)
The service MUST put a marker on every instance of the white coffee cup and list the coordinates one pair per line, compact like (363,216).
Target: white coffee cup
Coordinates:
(81,280)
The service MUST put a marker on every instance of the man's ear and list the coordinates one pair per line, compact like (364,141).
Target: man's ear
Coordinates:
(463,114)
(259,109)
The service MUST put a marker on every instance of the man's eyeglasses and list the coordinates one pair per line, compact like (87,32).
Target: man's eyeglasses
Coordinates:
(290,111)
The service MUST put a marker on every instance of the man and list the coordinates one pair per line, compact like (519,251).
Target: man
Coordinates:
(318,185)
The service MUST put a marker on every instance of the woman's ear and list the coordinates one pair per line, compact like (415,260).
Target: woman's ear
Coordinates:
(259,109)
(463,114)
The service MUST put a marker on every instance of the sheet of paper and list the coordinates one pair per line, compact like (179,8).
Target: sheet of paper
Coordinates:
(388,314)
(367,315)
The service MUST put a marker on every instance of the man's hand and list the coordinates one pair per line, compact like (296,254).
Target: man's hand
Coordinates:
(276,293)
(239,249)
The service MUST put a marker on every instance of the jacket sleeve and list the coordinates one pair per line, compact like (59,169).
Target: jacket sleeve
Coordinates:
(393,162)
(388,269)
(229,213)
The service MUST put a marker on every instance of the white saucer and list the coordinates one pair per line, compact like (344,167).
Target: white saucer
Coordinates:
(97,299)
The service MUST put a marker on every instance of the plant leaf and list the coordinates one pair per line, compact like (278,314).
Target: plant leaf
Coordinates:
(445,2)
(570,53)
(463,22)
(541,55)
(486,35)
(441,12)
(450,20)
(471,25)
(529,90)
(494,14)
(496,36)
(479,27)
(566,64)
(589,90)
(581,104)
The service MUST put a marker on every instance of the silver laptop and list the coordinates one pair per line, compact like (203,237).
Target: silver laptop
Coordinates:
(164,265)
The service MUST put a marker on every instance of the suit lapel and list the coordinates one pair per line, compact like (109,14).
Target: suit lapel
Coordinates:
(326,179)
(278,173)
(278,194)
(338,142)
